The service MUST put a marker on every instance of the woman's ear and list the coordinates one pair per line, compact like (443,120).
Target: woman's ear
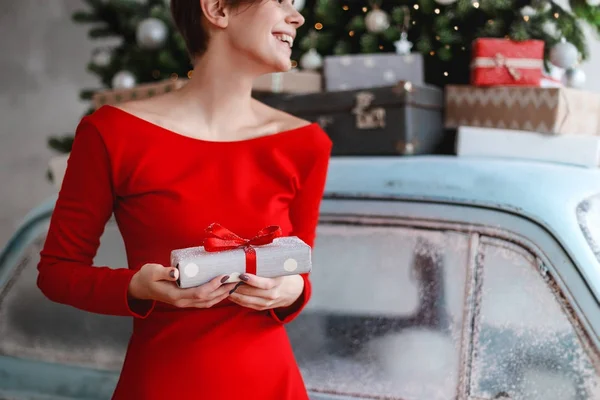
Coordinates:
(215,12)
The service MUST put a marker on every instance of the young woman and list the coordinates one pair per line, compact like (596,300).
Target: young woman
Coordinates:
(168,167)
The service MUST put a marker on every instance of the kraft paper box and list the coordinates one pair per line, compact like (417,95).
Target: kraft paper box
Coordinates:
(293,81)
(282,82)
(142,91)
(284,256)
(543,110)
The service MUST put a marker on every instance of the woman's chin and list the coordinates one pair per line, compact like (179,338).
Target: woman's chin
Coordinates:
(280,64)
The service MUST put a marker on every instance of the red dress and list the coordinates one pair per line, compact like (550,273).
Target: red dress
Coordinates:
(165,189)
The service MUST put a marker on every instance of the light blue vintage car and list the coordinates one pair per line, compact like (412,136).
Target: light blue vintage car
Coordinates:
(434,278)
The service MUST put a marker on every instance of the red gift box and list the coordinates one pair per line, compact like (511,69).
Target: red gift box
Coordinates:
(503,62)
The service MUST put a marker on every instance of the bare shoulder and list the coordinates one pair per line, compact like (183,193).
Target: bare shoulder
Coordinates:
(281,120)
(145,108)
(291,122)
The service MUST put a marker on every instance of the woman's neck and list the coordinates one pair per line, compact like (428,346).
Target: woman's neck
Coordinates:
(220,91)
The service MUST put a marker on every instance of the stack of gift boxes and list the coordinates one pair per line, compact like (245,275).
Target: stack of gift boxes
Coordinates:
(511,109)
(379,104)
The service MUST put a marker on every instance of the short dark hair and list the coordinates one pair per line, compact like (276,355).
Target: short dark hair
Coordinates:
(187,15)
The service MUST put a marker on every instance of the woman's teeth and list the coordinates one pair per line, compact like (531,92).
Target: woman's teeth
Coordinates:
(285,38)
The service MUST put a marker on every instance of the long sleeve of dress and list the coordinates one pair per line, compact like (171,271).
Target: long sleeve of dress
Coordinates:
(304,214)
(84,205)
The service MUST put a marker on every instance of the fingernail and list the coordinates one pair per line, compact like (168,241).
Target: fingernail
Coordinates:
(224,279)
(172,274)
(235,288)
(244,277)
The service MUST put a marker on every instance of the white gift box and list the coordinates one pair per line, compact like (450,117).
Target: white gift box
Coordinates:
(284,256)
(580,150)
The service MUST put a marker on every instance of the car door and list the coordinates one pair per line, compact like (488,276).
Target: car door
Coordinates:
(416,300)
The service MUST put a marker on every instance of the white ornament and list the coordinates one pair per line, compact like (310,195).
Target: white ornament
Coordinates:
(528,11)
(575,78)
(102,58)
(377,21)
(311,60)
(151,33)
(403,46)
(123,80)
(445,2)
(564,54)
(593,3)
(550,29)
(299,4)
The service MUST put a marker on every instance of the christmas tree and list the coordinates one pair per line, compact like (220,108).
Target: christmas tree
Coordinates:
(149,49)
(443,30)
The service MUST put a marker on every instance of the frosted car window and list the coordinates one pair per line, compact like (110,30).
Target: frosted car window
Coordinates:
(525,345)
(33,327)
(386,313)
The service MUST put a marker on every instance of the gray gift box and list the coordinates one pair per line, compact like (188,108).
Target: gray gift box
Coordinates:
(364,71)
(284,256)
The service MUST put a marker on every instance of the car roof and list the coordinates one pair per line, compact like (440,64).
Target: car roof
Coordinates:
(547,193)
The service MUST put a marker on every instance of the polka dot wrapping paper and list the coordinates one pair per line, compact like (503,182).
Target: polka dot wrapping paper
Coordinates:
(364,71)
(284,256)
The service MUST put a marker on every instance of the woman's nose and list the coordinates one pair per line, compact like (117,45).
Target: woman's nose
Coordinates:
(294,17)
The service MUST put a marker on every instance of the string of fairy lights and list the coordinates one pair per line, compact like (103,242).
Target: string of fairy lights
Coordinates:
(312,60)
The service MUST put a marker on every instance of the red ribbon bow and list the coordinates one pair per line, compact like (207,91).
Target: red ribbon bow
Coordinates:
(220,239)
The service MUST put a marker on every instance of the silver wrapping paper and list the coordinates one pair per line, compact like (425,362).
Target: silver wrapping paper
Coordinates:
(367,71)
(284,256)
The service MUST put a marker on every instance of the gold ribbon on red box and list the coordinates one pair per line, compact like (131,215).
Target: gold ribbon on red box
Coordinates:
(503,62)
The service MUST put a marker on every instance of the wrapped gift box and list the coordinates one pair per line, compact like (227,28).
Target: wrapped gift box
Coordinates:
(364,71)
(404,119)
(284,256)
(283,82)
(543,110)
(506,62)
(580,150)
(142,91)
(293,81)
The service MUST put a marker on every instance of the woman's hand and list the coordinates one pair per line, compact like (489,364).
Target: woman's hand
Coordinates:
(265,293)
(156,282)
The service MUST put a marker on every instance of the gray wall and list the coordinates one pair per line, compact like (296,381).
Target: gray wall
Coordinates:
(42,63)
(42,68)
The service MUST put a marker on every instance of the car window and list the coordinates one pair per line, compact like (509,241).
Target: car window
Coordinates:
(525,344)
(386,313)
(588,216)
(33,327)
